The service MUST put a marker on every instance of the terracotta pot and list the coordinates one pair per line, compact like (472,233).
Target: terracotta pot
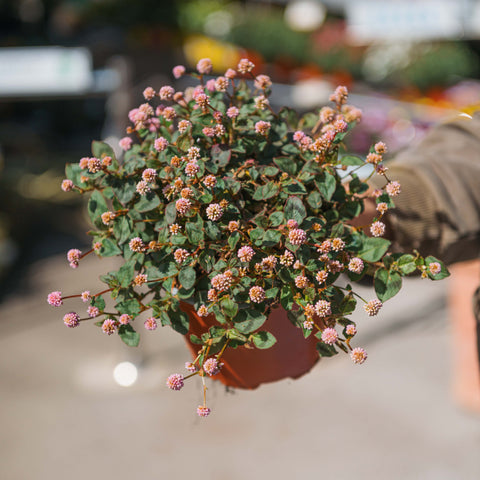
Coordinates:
(466,382)
(292,356)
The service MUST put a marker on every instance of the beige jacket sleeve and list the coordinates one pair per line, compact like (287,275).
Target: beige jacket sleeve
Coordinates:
(438,211)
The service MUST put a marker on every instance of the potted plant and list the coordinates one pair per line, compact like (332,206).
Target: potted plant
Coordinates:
(235,227)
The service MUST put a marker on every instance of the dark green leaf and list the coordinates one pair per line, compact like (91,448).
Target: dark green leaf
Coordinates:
(187,277)
(179,320)
(248,321)
(184,141)
(295,189)
(266,191)
(406,264)
(75,173)
(147,202)
(109,248)
(387,283)
(234,239)
(326,185)
(125,273)
(373,249)
(271,238)
(286,297)
(170,213)
(128,335)
(220,155)
(443,272)
(194,231)
(96,206)
(230,308)
(351,160)
(131,307)
(325,350)
(276,219)
(295,209)
(264,340)
(122,229)
(286,164)
(314,199)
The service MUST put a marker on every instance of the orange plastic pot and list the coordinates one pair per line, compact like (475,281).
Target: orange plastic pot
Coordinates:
(292,356)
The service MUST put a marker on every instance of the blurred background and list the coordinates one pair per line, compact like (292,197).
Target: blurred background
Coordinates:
(70,70)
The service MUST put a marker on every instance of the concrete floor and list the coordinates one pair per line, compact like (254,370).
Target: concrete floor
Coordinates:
(63,416)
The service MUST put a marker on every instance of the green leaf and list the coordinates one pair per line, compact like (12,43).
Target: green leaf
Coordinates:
(206,259)
(194,231)
(109,248)
(124,188)
(75,173)
(351,161)
(295,189)
(98,302)
(96,206)
(184,141)
(443,272)
(187,277)
(170,213)
(357,186)
(266,191)
(271,238)
(326,185)
(295,209)
(131,307)
(220,155)
(102,149)
(230,308)
(125,273)
(147,202)
(128,335)
(212,230)
(248,321)
(264,340)
(325,350)
(387,283)
(286,297)
(406,264)
(180,322)
(373,249)
(233,239)
(122,229)
(276,219)
(314,199)
(286,164)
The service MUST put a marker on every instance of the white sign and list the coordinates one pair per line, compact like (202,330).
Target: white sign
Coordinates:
(44,71)
(370,20)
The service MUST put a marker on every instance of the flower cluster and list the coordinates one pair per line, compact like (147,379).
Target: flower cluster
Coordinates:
(221,202)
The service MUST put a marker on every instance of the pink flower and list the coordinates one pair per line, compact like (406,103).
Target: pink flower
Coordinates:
(323,308)
(149,93)
(169,113)
(109,326)
(67,185)
(125,143)
(393,189)
(435,268)
(175,381)
(308,324)
(149,175)
(377,229)
(245,254)
(245,66)
(356,265)
(351,329)
(183,126)
(221,282)
(210,85)
(297,236)
(301,281)
(204,66)
(321,276)
(143,187)
(262,128)
(150,324)
(210,181)
(202,311)
(257,294)
(230,74)
(298,136)
(191,367)
(211,366)
(233,112)
(214,212)
(55,299)
(178,71)
(340,95)
(329,336)
(292,224)
(358,355)
(372,307)
(124,319)
(71,319)
(160,144)
(166,92)
(191,169)
(203,411)
(73,255)
(180,255)
(380,148)
(86,297)
(183,205)
(136,245)
(93,311)
(262,81)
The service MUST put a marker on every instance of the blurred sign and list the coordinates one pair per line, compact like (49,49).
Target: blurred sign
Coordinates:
(45,71)
(370,20)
